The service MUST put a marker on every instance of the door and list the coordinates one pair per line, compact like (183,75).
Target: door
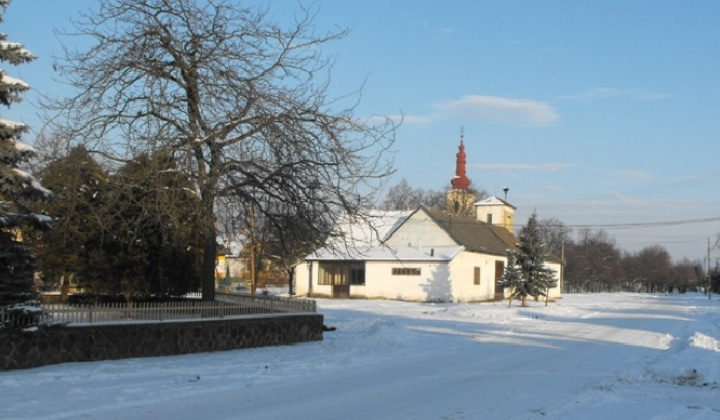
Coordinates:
(341,291)
(341,283)
(499,270)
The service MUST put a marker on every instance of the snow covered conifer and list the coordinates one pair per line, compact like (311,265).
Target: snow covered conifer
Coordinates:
(17,187)
(512,277)
(529,258)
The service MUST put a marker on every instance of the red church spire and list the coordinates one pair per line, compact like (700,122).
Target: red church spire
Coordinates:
(460,181)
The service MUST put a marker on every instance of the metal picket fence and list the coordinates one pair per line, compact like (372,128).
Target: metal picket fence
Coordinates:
(225,305)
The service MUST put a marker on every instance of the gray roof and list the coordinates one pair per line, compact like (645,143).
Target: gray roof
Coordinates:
(474,235)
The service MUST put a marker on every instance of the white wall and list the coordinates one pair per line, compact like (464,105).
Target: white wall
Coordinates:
(420,231)
(301,278)
(436,282)
(556,292)
(463,276)
(431,285)
(501,215)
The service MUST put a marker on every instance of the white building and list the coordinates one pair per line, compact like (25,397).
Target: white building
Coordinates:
(421,255)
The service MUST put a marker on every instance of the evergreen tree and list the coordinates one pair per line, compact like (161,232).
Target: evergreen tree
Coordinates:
(156,228)
(512,277)
(529,258)
(134,232)
(81,187)
(17,187)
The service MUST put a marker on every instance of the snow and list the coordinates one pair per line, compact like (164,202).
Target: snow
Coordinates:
(362,237)
(609,356)
(11,127)
(33,182)
(22,147)
(11,81)
(19,49)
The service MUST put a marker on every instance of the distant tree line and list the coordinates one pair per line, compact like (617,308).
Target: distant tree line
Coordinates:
(594,263)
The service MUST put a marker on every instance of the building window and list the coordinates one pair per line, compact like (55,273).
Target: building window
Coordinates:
(404,271)
(357,276)
(335,274)
(330,274)
(476,276)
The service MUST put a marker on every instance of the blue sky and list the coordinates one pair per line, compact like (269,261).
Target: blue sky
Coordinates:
(603,114)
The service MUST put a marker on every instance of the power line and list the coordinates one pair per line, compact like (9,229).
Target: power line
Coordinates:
(641,225)
(698,180)
(638,225)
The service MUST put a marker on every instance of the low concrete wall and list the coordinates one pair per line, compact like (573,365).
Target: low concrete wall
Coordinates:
(61,344)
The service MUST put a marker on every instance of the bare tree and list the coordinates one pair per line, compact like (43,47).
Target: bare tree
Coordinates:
(241,101)
(593,263)
(403,196)
(555,234)
(685,275)
(655,267)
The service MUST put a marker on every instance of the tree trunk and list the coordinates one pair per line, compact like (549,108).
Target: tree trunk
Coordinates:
(64,287)
(208,265)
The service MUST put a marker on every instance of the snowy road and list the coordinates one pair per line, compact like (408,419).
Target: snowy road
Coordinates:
(585,357)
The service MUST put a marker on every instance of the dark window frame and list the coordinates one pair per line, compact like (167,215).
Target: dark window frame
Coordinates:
(406,271)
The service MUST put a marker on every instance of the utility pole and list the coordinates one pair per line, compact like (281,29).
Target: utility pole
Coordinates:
(707,272)
(252,249)
(562,266)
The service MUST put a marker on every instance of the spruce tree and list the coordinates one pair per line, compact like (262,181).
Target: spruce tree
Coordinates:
(529,258)
(17,187)
(81,186)
(512,277)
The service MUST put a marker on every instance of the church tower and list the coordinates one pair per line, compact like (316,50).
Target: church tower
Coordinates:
(460,199)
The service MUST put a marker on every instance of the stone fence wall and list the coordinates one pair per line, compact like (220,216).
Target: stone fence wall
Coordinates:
(61,344)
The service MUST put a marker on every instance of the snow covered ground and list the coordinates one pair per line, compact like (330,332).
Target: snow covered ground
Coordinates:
(609,356)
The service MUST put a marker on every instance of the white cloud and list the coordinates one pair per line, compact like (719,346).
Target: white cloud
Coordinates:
(490,109)
(445,30)
(504,167)
(495,109)
(397,119)
(555,189)
(633,174)
(608,93)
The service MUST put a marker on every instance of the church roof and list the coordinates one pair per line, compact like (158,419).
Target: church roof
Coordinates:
(474,235)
